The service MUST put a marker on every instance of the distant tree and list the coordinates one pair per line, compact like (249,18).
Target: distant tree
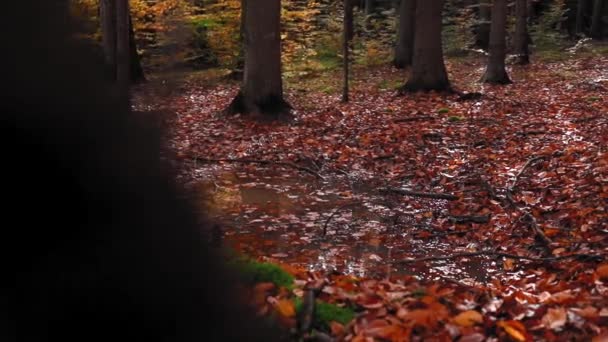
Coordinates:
(428,68)
(107,10)
(370,6)
(123,62)
(496,71)
(482,39)
(582,9)
(522,37)
(404,49)
(262,91)
(347,37)
(596,19)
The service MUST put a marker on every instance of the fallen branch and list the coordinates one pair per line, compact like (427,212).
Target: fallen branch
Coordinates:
(539,232)
(455,232)
(500,254)
(306,316)
(522,170)
(433,195)
(470,219)
(334,213)
(414,118)
(261,162)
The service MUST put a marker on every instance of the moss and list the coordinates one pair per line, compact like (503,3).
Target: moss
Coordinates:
(443,110)
(418,293)
(455,118)
(261,272)
(326,312)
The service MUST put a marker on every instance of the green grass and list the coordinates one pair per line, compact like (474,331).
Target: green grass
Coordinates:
(443,110)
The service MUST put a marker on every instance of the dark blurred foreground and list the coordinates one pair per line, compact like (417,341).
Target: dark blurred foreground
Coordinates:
(96,245)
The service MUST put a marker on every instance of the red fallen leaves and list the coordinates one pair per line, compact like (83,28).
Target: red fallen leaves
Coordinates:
(543,113)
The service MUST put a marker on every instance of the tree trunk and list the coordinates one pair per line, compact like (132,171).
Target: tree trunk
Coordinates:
(348,35)
(495,71)
(369,7)
(262,90)
(483,28)
(581,13)
(137,72)
(428,68)
(107,13)
(404,50)
(123,60)
(521,32)
(596,20)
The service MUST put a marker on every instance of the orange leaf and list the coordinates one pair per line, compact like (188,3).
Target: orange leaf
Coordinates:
(555,318)
(515,329)
(468,318)
(286,308)
(602,271)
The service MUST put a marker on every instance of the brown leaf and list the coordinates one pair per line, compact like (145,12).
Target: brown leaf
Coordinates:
(555,318)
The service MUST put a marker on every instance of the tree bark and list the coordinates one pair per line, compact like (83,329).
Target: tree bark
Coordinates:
(262,90)
(581,13)
(428,68)
(521,32)
(369,7)
(596,20)
(404,49)
(495,71)
(483,28)
(137,71)
(347,36)
(123,60)
(108,34)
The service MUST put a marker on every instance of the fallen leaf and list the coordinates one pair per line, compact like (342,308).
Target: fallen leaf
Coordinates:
(468,318)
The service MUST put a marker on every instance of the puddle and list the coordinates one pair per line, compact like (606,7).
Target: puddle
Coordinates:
(284,216)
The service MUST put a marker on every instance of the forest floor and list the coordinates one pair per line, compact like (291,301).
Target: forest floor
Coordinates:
(431,216)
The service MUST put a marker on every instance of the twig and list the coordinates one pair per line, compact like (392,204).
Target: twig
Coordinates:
(532,222)
(523,169)
(500,254)
(414,118)
(470,219)
(261,162)
(455,232)
(334,213)
(434,195)
(306,315)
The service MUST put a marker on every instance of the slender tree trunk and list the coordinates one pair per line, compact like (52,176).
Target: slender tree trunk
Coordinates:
(347,36)
(521,32)
(370,6)
(108,34)
(483,28)
(404,49)
(262,90)
(428,68)
(137,71)
(495,71)
(596,19)
(581,12)
(123,60)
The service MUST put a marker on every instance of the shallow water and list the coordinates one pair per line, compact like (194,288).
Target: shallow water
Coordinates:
(339,224)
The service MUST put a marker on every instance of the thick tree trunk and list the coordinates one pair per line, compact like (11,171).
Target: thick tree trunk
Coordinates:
(521,32)
(596,19)
(137,72)
(581,13)
(123,60)
(483,28)
(495,71)
(428,68)
(262,90)
(404,49)
(107,13)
